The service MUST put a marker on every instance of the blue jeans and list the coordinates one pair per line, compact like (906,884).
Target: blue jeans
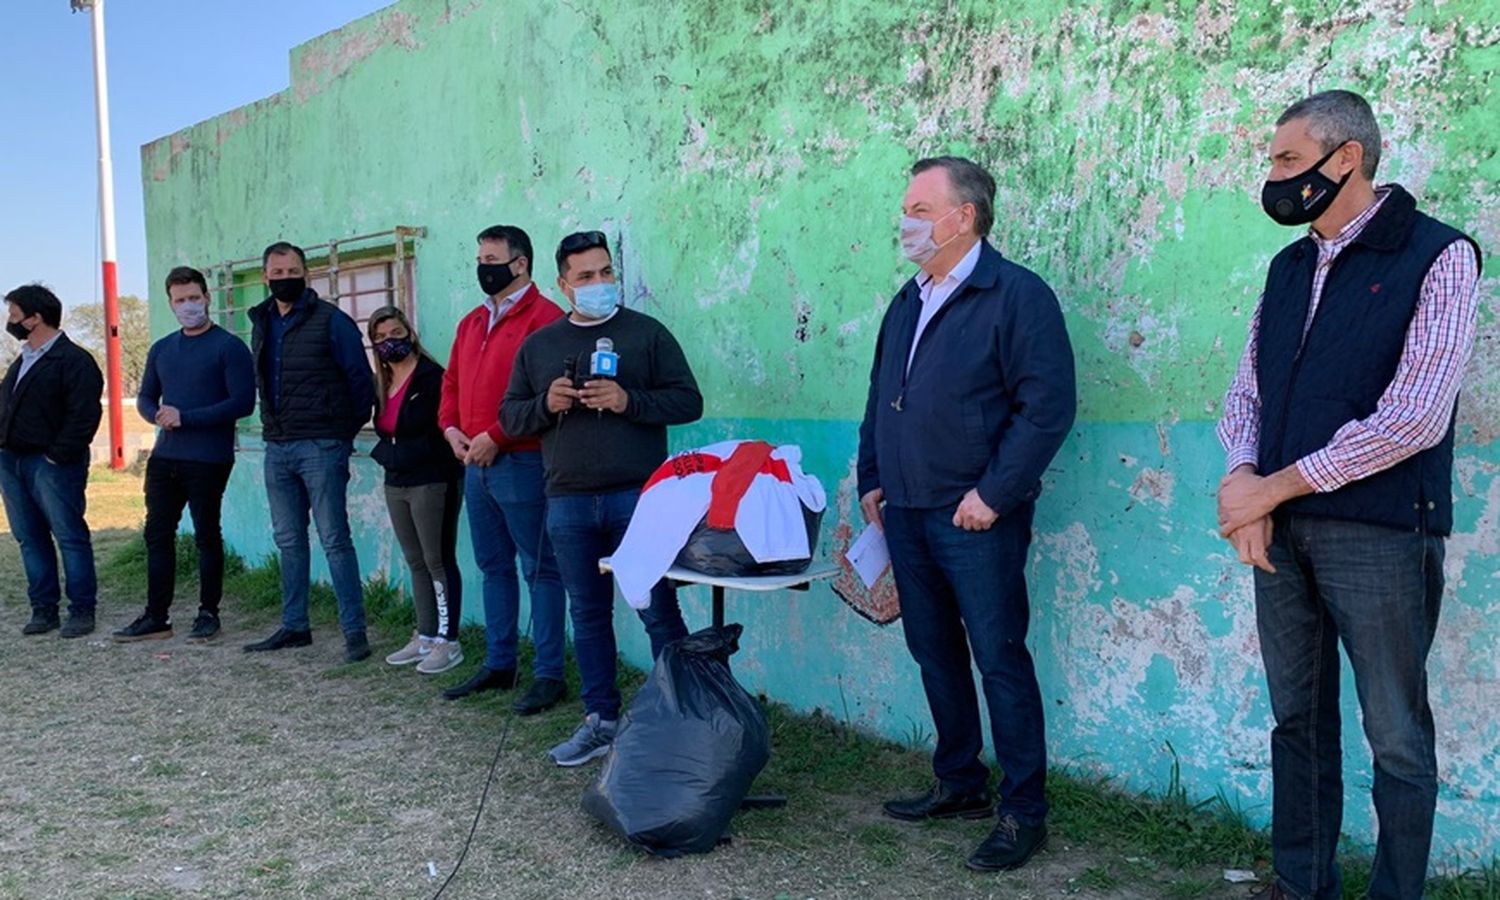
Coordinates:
(312,476)
(586,528)
(964,592)
(44,502)
(507,516)
(1378,590)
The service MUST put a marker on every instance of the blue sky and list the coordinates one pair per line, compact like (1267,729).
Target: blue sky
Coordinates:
(171,63)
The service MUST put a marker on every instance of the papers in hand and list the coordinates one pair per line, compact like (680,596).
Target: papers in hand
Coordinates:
(869,556)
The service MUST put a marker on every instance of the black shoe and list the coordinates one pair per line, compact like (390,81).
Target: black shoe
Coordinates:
(205,627)
(282,639)
(543,694)
(356,647)
(941,803)
(1008,846)
(42,621)
(483,680)
(145,628)
(1272,891)
(78,625)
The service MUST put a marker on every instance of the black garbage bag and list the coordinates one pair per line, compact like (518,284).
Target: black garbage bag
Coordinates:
(687,752)
(716,551)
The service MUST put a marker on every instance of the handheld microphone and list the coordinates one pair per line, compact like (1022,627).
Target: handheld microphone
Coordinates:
(570,371)
(604,362)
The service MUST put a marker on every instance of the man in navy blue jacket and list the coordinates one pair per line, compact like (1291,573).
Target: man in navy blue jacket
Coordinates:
(971,395)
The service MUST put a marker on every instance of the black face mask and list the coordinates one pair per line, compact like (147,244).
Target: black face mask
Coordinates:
(288,290)
(1303,197)
(18,331)
(494,278)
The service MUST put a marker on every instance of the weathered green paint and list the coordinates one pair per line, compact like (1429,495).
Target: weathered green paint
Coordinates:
(750,156)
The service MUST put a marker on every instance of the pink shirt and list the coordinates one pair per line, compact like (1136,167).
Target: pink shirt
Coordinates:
(385,423)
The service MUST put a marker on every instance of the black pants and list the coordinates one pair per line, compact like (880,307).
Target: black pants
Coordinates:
(172,484)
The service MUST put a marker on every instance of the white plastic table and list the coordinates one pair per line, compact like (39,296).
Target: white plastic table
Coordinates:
(753,583)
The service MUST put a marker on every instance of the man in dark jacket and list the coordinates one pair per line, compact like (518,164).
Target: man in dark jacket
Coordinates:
(316,392)
(1339,434)
(971,395)
(49,412)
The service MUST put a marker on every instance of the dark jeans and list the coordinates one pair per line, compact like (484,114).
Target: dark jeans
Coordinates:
(172,484)
(507,518)
(964,592)
(312,477)
(1378,590)
(44,502)
(585,529)
(425,519)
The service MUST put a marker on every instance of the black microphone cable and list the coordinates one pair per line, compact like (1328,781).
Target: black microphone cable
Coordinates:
(499,749)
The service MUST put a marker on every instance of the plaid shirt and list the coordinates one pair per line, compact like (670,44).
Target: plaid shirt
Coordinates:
(1414,412)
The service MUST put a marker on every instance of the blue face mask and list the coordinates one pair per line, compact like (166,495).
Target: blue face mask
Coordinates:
(596,300)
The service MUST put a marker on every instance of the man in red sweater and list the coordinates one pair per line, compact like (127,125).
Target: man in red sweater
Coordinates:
(503,481)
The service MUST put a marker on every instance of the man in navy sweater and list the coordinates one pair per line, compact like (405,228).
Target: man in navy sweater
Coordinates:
(198,382)
(971,395)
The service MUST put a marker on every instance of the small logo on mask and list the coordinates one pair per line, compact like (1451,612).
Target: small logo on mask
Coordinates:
(1375,288)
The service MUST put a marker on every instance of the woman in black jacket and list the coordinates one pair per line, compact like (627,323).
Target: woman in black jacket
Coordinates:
(423,487)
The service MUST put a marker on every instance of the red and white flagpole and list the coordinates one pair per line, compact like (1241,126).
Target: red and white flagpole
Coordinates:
(107,237)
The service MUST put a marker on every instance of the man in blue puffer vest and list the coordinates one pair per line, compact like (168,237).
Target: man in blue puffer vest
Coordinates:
(971,395)
(1339,432)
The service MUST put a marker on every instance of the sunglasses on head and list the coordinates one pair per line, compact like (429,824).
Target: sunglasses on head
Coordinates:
(584,240)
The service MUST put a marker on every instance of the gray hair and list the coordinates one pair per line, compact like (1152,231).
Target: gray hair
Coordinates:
(971,184)
(1336,117)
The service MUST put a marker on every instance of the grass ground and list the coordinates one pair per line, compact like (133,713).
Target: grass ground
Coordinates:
(165,769)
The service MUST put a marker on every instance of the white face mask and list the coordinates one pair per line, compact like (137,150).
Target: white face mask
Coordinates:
(916,238)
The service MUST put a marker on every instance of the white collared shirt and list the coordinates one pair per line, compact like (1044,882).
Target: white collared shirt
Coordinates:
(936,293)
(497,311)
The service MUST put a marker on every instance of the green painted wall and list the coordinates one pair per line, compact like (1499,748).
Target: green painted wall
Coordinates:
(751,158)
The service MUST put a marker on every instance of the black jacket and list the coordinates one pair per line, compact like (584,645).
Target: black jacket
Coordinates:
(326,390)
(988,401)
(55,409)
(417,453)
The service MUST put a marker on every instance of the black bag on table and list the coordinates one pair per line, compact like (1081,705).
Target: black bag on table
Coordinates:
(720,552)
(687,752)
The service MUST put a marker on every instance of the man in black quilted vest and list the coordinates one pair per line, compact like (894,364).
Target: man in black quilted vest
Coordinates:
(316,392)
(1339,432)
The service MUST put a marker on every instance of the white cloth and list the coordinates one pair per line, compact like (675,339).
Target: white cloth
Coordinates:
(769,519)
(936,293)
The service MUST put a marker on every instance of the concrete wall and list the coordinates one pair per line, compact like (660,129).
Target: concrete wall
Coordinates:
(751,156)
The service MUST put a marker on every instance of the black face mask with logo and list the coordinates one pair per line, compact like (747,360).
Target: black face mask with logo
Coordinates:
(1303,197)
(494,278)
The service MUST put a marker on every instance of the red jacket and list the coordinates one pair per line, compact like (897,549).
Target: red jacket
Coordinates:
(480,363)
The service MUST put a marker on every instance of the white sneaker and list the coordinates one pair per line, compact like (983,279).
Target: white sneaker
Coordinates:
(442,656)
(415,651)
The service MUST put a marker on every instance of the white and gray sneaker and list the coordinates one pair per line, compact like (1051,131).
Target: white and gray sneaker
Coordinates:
(591,741)
(441,656)
(415,651)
